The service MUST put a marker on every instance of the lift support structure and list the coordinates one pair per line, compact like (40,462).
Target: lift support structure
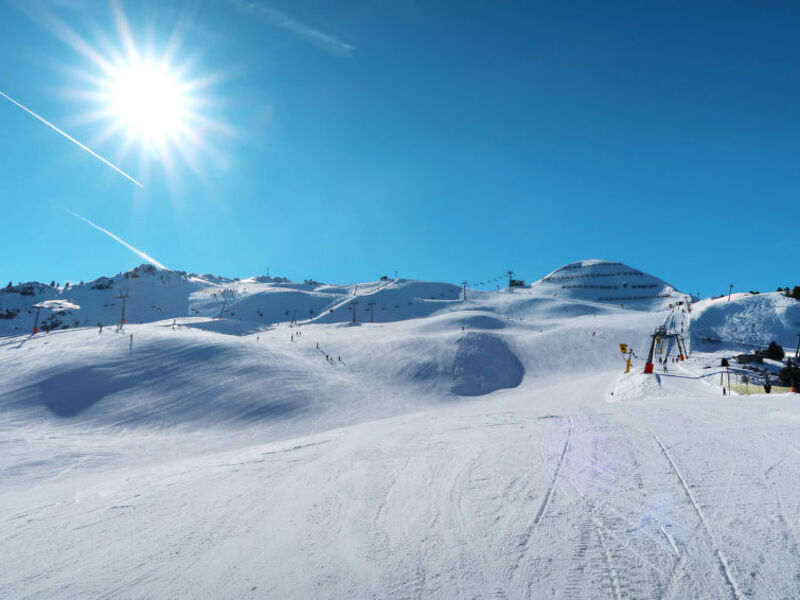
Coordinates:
(661,335)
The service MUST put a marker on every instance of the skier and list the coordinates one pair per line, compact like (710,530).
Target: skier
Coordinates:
(317,345)
(292,338)
(100,328)
(340,359)
(723,392)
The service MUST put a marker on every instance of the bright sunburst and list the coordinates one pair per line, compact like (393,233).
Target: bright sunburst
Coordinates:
(150,94)
(149,101)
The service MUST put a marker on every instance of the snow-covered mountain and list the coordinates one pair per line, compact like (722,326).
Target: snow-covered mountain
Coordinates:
(161,294)
(612,282)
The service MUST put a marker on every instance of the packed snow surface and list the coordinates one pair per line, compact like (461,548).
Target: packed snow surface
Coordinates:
(482,448)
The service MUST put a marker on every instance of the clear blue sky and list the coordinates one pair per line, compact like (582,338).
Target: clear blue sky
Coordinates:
(447,140)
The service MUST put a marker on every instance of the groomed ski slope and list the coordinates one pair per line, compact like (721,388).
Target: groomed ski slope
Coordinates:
(223,460)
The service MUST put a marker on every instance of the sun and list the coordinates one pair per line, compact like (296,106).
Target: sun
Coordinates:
(149,101)
(145,93)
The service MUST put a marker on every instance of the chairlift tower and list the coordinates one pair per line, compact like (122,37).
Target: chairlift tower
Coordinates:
(510,274)
(38,308)
(353,308)
(464,285)
(124,295)
(371,311)
(730,291)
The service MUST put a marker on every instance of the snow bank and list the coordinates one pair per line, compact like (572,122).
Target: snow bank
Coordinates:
(635,386)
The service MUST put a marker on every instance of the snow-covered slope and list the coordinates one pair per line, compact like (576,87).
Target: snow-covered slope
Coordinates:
(747,321)
(487,447)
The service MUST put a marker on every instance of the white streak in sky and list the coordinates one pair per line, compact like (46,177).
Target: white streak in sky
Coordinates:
(136,251)
(70,138)
(274,17)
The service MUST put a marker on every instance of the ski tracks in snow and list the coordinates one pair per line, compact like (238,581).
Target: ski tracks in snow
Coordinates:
(551,487)
(720,556)
(525,540)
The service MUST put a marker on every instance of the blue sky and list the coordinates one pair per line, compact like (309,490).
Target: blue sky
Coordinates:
(446,140)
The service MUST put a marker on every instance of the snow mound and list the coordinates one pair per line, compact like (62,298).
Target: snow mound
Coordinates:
(609,282)
(635,386)
(484,363)
(747,320)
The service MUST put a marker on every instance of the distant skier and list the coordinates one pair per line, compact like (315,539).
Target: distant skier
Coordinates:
(723,392)
(340,359)
(100,328)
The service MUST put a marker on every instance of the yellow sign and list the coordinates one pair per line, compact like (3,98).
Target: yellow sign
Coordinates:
(623,348)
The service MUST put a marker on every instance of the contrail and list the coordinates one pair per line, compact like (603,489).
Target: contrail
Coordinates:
(70,138)
(276,18)
(136,251)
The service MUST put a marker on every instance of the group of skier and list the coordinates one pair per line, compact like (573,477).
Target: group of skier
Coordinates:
(328,357)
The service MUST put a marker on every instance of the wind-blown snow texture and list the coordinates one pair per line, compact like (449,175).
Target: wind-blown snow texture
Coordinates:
(485,448)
